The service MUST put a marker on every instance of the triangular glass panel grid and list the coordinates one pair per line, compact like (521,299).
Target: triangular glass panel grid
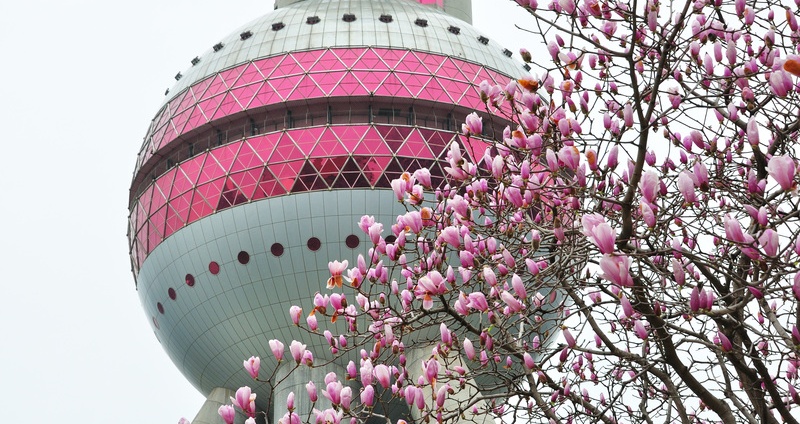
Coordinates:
(227,107)
(249,75)
(247,158)
(306,89)
(392,57)
(328,61)
(268,186)
(306,139)
(350,135)
(244,94)
(286,172)
(328,145)
(369,61)
(285,150)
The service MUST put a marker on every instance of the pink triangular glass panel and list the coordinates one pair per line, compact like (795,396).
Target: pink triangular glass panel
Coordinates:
(264,145)
(327,62)
(369,61)
(350,135)
(245,94)
(249,75)
(348,56)
(286,150)
(231,75)
(217,86)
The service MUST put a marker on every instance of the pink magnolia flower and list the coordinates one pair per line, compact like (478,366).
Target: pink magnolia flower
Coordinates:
(752,131)
(469,349)
(477,300)
(569,156)
(423,176)
(599,232)
(446,336)
(519,288)
(513,304)
(294,313)
(649,185)
(792,65)
(627,115)
(647,214)
(297,349)
(252,366)
(450,235)
(246,400)
(724,342)
(796,286)
(382,375)
(616,269)
(473,125)
(399,188)
(613,155)
(311,321)
(640,330)
(528,361)
(570,339)
(782,169)
(277,349)
(346,397)
(227,413)
(368,396)
(769,242)
(311,388)
(430,370)
(430,285)
(336,268)
(686,187)
(733,231)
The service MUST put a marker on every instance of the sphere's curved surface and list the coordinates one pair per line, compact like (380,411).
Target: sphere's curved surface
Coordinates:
(254,173)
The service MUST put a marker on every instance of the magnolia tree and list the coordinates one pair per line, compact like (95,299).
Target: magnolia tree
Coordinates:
(627,251)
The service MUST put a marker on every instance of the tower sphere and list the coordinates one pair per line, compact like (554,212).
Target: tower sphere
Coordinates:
(255,171)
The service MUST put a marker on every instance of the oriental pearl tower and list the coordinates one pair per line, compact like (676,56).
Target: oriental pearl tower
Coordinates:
(264,155)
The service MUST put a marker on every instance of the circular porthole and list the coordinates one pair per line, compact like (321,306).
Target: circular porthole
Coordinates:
(243,257)
(172,294)
(391,239)
(276,249)
(313,244)
(190,280)
(213,268)
(155,323)
(352,241)
(160,308)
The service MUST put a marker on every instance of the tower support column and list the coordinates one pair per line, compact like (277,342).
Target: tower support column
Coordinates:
(208,413)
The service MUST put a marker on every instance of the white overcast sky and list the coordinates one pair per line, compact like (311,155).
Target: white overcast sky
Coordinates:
(79,83)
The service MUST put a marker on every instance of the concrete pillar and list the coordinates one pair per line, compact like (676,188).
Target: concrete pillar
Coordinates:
(208,412)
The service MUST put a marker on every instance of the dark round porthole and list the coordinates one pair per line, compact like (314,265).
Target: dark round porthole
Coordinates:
(172,294)
(313,244)
(276,249)
(352,241)
(391,239)
(160,308)
(213,267)
(190,280)
(243,257)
